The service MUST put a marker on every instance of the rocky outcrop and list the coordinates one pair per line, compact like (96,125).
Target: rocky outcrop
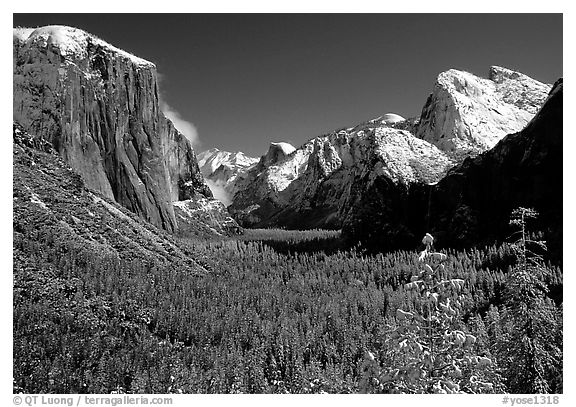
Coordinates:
(277,152)
(98,106)
(473,202)
(201,216)
(466,115)
(317,184)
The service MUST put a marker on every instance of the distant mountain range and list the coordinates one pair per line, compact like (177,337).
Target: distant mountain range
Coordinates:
(383,182)
(327,181)
(221,170)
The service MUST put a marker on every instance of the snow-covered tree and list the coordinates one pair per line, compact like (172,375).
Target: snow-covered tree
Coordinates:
(428,347)
(531,343)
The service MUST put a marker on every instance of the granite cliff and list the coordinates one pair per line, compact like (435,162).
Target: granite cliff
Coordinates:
(325,182)
(472,204)
(466,115)
(99,107)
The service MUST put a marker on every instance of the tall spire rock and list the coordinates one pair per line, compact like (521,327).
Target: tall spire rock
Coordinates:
(99,107)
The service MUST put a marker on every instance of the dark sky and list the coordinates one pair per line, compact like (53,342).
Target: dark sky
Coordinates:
(245,80)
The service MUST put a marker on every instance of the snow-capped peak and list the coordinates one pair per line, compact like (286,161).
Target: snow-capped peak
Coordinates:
(391,118)
(221,169)
(466,114)
(210,160)
(70,41)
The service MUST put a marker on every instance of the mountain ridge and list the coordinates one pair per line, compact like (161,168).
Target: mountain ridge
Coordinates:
(466,115)
(472,204)
(316,184)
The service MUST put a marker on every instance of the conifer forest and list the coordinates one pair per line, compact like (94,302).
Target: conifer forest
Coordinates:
(277,313)
(322,203)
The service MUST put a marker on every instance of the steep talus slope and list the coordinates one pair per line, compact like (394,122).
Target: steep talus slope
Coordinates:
(98,106)
(52,208)
(466,115)
(472,203)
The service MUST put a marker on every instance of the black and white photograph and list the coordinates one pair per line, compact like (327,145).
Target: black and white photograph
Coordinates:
(287,203)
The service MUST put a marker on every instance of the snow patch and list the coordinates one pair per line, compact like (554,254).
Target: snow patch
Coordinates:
(191,206)
(35,199)
(405,158)
(286,148)
(72,42)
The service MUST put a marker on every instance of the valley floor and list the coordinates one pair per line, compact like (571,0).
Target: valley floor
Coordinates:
(279,314)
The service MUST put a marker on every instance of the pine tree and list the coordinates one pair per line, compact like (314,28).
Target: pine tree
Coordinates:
(530,341)
(429,350)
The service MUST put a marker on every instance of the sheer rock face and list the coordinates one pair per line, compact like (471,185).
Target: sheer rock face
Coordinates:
(472,204)
(52,206)
(99,107)
(277,152)
(466,115)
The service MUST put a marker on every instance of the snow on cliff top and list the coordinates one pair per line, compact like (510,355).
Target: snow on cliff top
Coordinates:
(502,86)
(72,42)
(519,89)
(392,118)
(467,114)
(286,148)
